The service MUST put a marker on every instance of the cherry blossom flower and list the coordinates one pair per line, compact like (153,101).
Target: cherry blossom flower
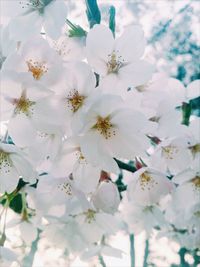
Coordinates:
(14,165)
(148,186)
(118,60)
(109,130)
(71,160)
(42,65)
(35,14)
(22,105)
(172,155)
(106,197)
(76,93)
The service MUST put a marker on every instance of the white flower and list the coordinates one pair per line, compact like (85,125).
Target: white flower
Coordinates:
(13,165)
(32,15)
(148,186)
(106,197)
(69,48)
(35,61)
(53,196)
(142,217)
(70,159)
(172,155)
(118,61)
(112,131)
(23,106)
(189,185)
(76,93)
(93,225)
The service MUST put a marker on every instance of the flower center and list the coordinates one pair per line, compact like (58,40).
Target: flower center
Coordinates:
(146,181)
(38,69)
(104,127)
(75,100)
(169,151)
(196,182)
(90,215)
(23,104)
(148,209)
(5,161)
(114,63)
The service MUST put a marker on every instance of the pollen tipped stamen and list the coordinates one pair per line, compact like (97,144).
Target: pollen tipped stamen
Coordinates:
(23,105)
(104,127)
(38,69)
(114,63)
(147,181)
(75,101)
(169,151)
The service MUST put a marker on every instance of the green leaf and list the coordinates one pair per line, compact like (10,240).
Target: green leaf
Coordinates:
(112,19)
(76,30)
(93,12)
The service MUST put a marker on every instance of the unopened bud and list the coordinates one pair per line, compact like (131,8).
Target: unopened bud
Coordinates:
(106,197)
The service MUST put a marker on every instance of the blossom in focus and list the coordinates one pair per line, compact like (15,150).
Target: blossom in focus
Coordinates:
(109,130)
(118,60)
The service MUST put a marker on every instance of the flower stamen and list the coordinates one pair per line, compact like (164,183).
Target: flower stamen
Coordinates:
(75,101)
(38,69)
(104,127)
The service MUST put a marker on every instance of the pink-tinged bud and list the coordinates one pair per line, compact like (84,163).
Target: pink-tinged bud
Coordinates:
(106,197)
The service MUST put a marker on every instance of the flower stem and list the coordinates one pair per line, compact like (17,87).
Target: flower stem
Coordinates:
(132,250)
(125,166)
(146,253)
(101,261)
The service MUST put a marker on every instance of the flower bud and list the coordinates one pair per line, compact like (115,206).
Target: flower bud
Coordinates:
(106,197)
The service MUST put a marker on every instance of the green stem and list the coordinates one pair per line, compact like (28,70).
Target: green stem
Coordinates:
(101,261)
(146,253)
(132,249)
(125,166)
(182,253)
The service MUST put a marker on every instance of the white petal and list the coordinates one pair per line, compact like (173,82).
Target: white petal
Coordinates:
(99,44)
(131,43)
(21,130)
(136,73)
(193,89)
(54,18)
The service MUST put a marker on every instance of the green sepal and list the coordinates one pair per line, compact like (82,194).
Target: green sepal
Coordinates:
(93,13)
(75,30)
(112,19)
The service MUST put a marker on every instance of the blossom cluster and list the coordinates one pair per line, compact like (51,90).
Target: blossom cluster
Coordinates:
(81,111)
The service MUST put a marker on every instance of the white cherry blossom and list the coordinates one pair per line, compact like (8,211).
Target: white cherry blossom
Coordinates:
(118,60)
(14,165)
